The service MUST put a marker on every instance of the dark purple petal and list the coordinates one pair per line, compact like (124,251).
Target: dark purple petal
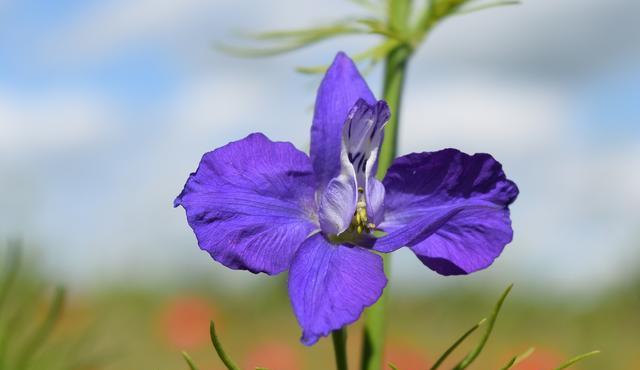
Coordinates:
(468,242)
(341,87)
(451,208)
(330,285)
(251,203)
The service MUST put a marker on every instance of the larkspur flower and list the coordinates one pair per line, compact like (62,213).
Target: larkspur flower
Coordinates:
(265,206)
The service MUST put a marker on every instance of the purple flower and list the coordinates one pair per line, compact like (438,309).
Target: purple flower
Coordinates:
(265,206)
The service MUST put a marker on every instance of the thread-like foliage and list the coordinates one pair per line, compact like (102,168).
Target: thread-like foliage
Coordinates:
(27,338)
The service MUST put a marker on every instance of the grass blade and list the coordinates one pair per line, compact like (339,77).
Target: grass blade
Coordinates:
(486,6)
(492,321)
(189,361)
(228,362)
(455,345)
(576,359)
(13,263)
(288,41)
(41,335)
(517,359)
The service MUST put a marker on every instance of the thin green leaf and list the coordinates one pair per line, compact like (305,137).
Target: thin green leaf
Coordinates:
(41,335)
(366,4)
(492,320)
(392,366)
(517,359)
(293,40)
(189,361)
(226,360)
(348,26)
(510,364)
(455,345)
(17,318)
(14,254)
(576,359)
(375,53)
(486,6)
(339,338)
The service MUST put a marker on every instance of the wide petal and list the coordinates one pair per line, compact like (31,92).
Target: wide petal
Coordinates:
(330,285)
(450,208)
(251,203)
(340,89)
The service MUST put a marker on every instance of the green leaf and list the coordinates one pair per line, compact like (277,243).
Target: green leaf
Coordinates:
(292,40)
(392,366)
(375,54)
(467,10)
(576,359)
(517,359)
(189,361)
(13,263)
(492,320)
(339,338)
(449,350)
(226,360)
(41,335)
(366,4)
(399,11)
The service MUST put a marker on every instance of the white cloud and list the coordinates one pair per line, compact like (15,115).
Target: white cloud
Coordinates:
(41,124)
(473,113)
(209,104)
(109,26)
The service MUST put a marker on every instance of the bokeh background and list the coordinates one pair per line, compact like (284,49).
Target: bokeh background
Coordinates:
(107,106)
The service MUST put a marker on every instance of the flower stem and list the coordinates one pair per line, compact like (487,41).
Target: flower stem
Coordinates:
(340,348)
(374,324)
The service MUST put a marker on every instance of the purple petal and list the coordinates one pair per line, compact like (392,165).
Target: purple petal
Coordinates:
(375,200)
(251,203)
(468,242)
(341,87)
(330,285)
(451,208)
(337,205)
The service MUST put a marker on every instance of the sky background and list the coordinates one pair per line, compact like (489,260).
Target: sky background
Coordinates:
(107,106)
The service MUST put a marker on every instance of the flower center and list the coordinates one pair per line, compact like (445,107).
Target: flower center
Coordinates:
(360,221)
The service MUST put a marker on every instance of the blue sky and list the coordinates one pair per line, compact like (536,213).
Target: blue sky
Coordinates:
(106,106)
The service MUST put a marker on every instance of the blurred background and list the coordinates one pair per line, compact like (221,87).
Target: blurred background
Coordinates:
(107,106)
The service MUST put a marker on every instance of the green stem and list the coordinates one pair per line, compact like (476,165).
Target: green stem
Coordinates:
(340,348)
(374,319)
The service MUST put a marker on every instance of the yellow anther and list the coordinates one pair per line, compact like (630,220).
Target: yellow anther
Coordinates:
(358,218)
(371,226)
(362,212)
(359,229)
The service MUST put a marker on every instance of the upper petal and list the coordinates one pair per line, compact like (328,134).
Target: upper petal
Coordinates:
(251,203)
(450,207)
(340,89)
(330,285)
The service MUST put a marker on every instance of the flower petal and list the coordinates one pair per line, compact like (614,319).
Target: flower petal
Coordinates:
(450,207)
(330,285)
(340,89)
(251,203)
(337,205)
(375,200)
(468,242)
